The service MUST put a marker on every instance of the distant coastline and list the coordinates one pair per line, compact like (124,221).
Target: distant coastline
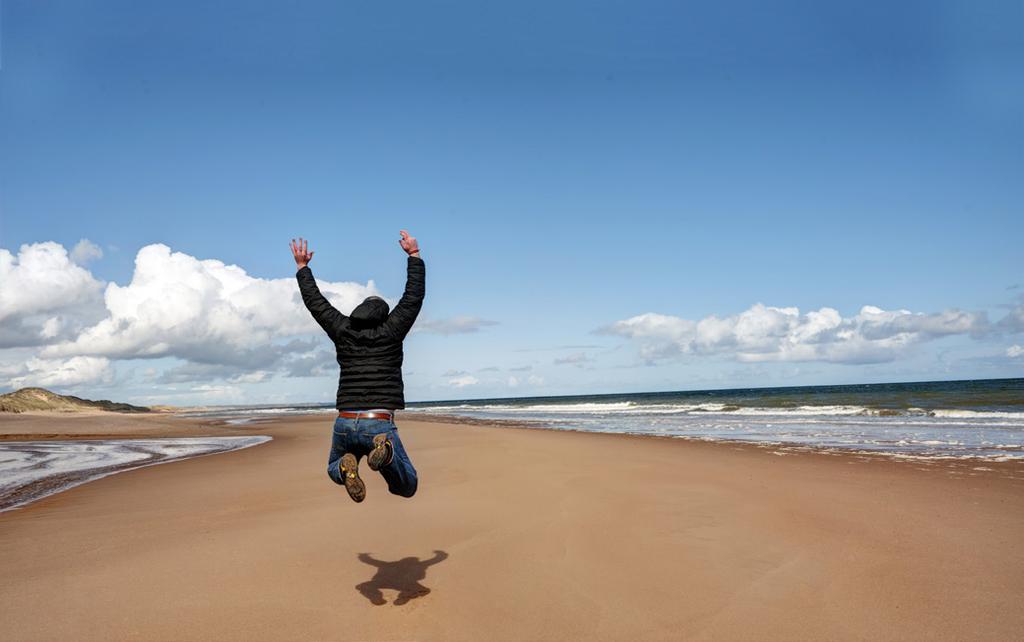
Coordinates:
(43,400)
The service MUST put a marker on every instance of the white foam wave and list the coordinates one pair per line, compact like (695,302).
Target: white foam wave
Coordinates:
(633,408)
(913,432)
(976,414)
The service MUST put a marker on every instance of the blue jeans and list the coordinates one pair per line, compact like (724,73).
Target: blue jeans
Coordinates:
(356,436)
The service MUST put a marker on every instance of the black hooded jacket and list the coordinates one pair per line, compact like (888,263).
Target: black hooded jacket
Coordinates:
(369,341)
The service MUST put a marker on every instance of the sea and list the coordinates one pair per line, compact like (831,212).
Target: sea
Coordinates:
(974,419)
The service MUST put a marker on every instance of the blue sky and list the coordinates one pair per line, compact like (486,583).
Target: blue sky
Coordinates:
(568,167)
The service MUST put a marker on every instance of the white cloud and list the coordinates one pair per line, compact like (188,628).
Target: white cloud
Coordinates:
(463,381)
(533,380)
(560,348)
(201,311)
(764,333)
(250,377)
(44,295)
(1015,351)
(62,373)
(85,251)
(453,325)
(59,325)
(199,394)
(575,359)
(314,363)
(193,372)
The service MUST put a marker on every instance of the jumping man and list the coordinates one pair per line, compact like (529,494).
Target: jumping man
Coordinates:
(368,344)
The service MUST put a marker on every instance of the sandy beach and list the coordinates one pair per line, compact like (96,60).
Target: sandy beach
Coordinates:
(532,535)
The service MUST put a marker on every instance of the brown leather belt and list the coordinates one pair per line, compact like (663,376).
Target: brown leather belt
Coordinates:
(346,414)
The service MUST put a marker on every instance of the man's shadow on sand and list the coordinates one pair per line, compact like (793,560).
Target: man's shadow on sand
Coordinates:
(403,576)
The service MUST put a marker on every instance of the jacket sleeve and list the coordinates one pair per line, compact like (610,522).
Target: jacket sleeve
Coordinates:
(323,312)
(404,314)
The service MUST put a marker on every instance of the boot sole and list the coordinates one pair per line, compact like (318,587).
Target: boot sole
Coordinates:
(378,457)
(350,473)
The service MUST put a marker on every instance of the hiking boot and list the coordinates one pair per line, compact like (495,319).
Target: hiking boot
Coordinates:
(349,466)
(382,452)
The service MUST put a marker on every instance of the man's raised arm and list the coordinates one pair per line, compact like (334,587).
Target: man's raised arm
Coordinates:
(323,312)
(408,307)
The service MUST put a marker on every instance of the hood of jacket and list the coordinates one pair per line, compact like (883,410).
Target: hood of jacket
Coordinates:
(370,313)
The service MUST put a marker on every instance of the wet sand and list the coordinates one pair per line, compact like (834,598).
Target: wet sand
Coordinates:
(515,534)
(31,470)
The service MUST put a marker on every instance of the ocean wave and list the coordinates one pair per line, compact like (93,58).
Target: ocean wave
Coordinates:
(634,408)
(912,432)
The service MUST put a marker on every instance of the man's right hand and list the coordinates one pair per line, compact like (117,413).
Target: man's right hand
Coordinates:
(409,244)
(301,253)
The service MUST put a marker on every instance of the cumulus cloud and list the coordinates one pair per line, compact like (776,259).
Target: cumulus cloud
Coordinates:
(453,325)
(85,251)
(193,372)
(1015,351)
(202,311)
(44,295)
(463,381)
(765,333)
(59,325)
(317,363)
(62,373)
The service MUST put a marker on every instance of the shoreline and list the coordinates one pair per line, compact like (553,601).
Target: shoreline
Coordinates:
(970,466)
(63,480)
(181,424)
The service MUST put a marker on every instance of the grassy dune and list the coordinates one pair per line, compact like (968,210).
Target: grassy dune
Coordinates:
(40,399)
